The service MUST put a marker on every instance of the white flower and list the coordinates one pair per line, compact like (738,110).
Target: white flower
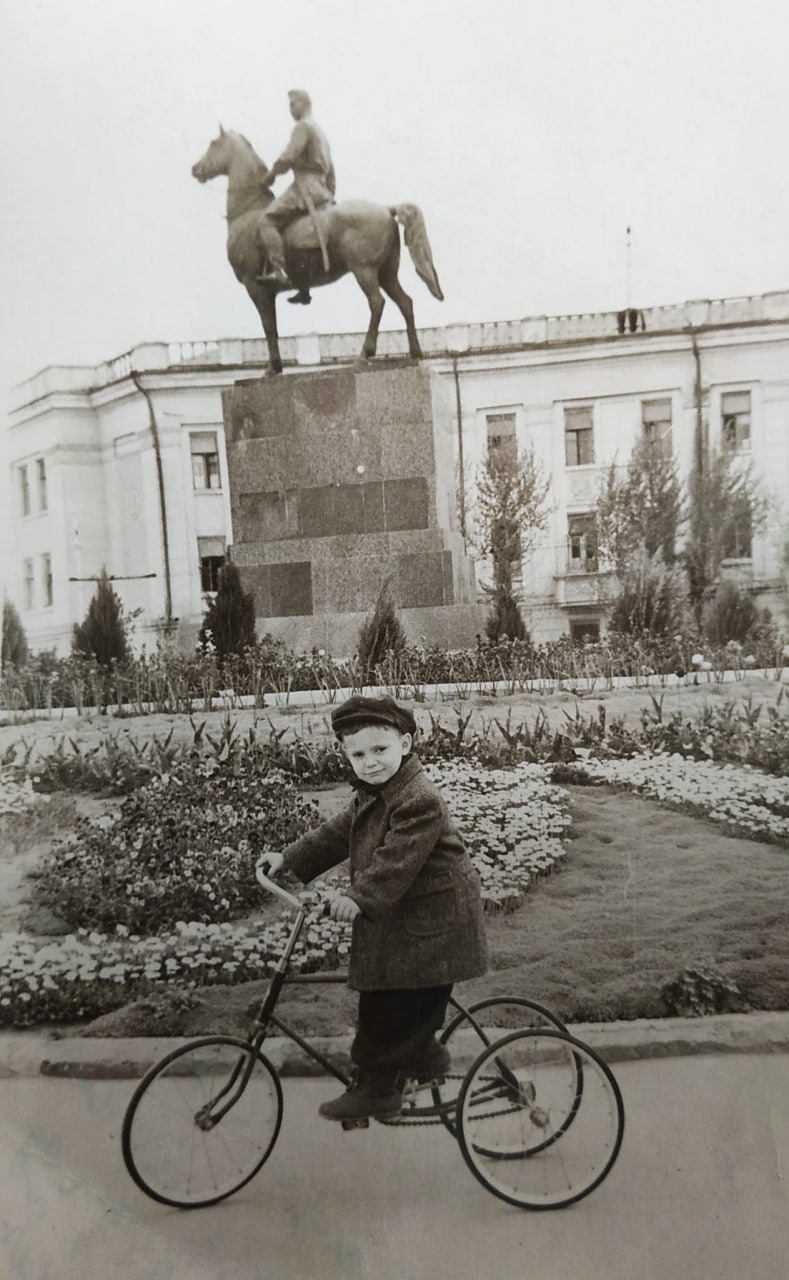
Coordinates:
(697,659)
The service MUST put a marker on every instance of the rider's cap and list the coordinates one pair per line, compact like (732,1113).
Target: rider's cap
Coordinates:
(359,711)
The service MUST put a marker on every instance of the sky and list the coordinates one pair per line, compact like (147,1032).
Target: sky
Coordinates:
(531,134)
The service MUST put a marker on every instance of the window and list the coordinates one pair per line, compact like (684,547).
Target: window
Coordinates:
(582,538)
(578,437)
(583,629)
(205,460)
(46,579)
(24,490)
(27,583)
(41,473)
(736,421)
(656,421)
(212,558)
(738,535)
(502,441)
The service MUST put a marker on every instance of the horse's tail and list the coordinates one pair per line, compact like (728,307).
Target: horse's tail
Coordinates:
(418,245)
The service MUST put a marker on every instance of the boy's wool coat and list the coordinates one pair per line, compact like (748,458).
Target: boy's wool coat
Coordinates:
(422,923)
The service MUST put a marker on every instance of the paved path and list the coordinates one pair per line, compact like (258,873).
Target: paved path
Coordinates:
(699,1193)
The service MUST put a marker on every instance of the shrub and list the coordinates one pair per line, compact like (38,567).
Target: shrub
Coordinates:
(695,993)
(730,615)
(651,598)
(229,624)
(102,635)
(181,848)
(505,620)
(14,649)
(381,634)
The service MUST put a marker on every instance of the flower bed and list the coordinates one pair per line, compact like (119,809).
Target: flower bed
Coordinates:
(16,795)
(746,802)
(87,973)
(512,819)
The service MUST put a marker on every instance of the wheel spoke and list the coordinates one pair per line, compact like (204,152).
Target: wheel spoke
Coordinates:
(558,1129)
(479,1025)
(169,1154)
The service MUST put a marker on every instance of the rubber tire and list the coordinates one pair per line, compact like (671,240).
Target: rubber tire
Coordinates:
(143,1091)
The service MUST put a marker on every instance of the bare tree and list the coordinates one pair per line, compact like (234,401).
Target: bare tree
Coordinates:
(509,511)
(727,507)
(640,514)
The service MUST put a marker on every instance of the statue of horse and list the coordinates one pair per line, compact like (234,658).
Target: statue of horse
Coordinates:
(358,236)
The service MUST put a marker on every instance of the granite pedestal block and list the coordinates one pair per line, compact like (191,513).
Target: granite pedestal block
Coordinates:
(341,481)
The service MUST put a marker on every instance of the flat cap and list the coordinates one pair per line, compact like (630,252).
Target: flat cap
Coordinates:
(358,711)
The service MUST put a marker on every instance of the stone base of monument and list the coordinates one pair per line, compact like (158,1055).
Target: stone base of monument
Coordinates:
(341,481)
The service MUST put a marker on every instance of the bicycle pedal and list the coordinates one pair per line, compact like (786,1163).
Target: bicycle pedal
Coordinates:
(362,1123)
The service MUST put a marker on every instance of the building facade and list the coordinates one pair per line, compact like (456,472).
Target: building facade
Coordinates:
(123,467)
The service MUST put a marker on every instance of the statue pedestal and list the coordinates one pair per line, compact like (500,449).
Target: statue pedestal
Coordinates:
(338,481)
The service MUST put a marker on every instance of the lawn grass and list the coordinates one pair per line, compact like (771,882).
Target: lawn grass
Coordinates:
(643,894)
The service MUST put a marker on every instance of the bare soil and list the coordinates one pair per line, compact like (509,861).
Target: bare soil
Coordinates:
(44,733)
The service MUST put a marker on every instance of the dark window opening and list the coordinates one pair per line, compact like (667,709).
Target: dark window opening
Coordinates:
(205,460)
(210,568)
(736,421)
(578,437)
(584,630)
(656,422)
(502,440)
(582,539)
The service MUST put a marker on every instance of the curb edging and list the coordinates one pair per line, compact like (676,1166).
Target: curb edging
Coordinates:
(24,1055)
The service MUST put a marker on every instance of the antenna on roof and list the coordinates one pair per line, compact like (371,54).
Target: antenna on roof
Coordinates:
(627,287)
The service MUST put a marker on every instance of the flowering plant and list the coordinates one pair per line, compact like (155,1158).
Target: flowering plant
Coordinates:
(183,846)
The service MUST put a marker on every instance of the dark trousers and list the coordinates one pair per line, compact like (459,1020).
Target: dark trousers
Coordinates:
(395,1029)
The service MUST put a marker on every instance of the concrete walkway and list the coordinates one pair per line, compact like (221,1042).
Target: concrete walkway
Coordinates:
(699,1192)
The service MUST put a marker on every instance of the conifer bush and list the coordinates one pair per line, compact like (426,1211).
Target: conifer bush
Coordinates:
(505,618)
(381,633)
(229,624)
(731,615)
(14,651)
(102,634)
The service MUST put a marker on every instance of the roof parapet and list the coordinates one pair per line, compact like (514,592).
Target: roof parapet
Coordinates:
(444,340)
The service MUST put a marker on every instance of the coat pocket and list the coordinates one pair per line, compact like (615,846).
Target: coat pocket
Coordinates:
(431,908)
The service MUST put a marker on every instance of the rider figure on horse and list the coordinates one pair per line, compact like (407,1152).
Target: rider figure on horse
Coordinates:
(309,157)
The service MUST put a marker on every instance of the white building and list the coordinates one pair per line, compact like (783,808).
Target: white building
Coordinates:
(122,466)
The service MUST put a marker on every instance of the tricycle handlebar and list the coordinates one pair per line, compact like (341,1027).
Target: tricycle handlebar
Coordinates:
(271,887)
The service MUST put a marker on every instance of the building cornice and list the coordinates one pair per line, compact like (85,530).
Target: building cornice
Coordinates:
(488,345)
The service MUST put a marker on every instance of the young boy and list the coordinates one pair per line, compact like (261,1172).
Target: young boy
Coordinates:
(414,902)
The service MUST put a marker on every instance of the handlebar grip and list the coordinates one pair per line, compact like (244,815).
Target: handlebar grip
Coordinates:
(271,887)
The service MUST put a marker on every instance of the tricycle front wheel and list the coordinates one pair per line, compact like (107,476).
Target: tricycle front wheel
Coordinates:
(202,1121)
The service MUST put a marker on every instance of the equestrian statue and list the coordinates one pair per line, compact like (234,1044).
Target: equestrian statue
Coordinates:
(303,238)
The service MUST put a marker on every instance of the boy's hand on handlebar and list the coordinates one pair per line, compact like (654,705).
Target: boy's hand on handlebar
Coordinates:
(270,863)
(344,908)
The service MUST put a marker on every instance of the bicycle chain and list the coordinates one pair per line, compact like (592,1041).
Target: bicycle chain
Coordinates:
(414,1118)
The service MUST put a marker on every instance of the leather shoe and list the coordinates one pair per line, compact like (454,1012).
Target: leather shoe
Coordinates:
(359,1104)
